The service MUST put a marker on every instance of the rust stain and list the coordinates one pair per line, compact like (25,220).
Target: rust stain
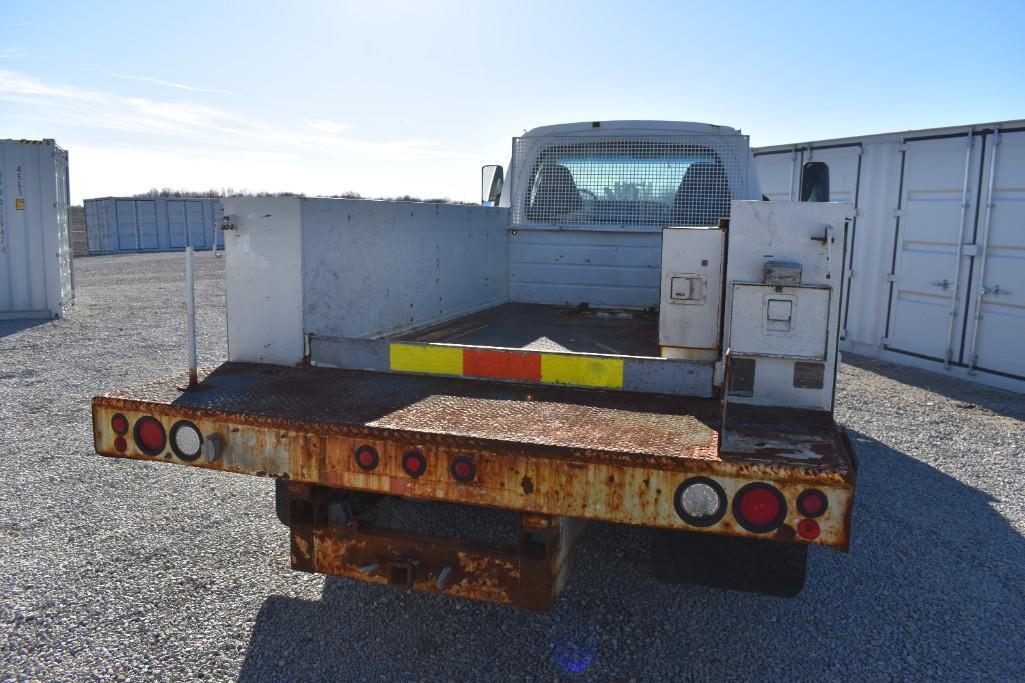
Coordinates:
(557,475)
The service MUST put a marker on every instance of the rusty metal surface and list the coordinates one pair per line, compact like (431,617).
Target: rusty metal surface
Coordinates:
(520,414)
(586,454)
(551,328)
(530,571)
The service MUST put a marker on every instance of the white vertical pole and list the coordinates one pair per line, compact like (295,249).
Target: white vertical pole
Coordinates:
(190,312)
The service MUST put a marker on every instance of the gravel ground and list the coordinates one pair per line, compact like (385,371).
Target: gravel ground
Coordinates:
(116,569)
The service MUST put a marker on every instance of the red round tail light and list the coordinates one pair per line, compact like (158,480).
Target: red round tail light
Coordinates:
(119,423)
(150,436)
(759,507)
(808,529)
(812,503)
(463,468)
(367,458)
(414,463)
(120,445)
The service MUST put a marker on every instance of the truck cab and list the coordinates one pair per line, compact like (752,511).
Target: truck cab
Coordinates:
(621,332)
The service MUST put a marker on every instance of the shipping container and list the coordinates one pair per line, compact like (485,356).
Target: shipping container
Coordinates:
(76,220)
(121,225)
(35,249)
(936,263)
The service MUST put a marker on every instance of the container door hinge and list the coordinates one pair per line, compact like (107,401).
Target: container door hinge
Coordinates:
(898,213)
(891,277)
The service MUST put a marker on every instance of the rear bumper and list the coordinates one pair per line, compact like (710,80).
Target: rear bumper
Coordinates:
(552,479)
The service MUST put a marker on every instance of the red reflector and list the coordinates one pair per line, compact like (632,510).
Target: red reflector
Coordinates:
(811,503)
(367,458)
(759,507)
(414,463)
(463,468)
(808,528)
(120,445)
(119,423)
(150,436)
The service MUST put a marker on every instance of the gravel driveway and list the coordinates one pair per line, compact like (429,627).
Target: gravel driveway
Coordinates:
(117,569)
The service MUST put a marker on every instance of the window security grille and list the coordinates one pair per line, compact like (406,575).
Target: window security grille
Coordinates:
(628,181)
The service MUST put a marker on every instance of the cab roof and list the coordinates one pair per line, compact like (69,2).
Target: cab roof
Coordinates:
(632,128)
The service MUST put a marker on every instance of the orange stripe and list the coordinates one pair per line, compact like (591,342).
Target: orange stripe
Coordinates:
(502,364)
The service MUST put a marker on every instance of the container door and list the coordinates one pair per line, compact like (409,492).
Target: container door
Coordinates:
(92,228)
(197,227)
(996,298)
(107,212)
(777,174)
(930,265)
(844,184)
(176,227)
(148,236)
(62,204)
(127,226)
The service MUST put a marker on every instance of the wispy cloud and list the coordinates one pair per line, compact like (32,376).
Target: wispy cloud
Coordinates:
(171,84)
(197,122)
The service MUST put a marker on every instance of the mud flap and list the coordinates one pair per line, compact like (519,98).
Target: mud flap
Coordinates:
(740,564)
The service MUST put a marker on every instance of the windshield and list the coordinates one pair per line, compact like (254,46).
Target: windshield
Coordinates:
(629,183)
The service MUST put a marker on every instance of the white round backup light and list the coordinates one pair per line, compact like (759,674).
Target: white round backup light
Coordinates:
(186,441)
(700,501)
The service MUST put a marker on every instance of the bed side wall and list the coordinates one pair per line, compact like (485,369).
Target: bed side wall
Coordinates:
(373,268)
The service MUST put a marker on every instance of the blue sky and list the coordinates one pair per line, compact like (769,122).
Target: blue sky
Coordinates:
(389,98)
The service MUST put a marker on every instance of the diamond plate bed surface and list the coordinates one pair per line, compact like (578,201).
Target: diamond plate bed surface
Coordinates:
(552,416)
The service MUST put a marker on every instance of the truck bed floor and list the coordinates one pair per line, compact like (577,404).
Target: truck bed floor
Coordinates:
(543,416)
(541,327)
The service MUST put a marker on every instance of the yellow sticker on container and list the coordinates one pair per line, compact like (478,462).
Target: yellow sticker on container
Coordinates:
(19,203)
(435,360)
(582,371)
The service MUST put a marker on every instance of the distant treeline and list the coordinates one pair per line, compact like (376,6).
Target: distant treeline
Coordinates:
(167,192)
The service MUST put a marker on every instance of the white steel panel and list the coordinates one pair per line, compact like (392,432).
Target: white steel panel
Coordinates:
(372,268)
(35,252)
(778,174)
(997,292)
(805,233)
(570,267)
(690,318)
(786,322)
(930,286)
(263,275)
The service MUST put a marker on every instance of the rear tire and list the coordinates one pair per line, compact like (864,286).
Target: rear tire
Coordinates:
(742,564)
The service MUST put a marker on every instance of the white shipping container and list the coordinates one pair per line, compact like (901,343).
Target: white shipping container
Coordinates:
(117,225)
(35,248)
(936,253)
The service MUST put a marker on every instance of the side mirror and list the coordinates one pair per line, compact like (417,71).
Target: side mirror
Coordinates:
(491,179)
(815,182)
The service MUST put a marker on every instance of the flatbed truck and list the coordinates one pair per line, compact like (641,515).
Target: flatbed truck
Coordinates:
(623,331)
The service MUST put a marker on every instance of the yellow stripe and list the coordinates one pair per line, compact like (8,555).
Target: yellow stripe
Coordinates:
(437,360)
(582,371)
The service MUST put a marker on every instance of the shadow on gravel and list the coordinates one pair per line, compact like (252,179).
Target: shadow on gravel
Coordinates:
(1002,402)
(9,327)
(932,588)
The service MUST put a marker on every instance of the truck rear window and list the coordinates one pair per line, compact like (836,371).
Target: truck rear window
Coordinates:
(628,183)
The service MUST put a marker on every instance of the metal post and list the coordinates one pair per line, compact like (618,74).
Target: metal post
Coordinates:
(949,353)
(973,356)
(190,313)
